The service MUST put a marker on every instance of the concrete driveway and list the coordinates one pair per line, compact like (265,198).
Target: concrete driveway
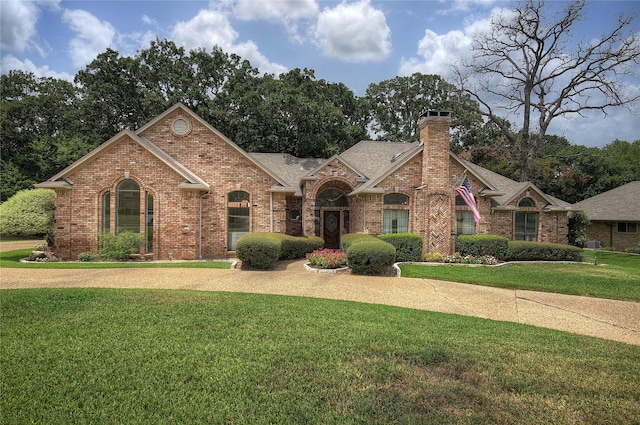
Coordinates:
(609,319)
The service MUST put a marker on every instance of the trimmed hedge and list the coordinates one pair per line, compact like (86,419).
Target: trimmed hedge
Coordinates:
(542,251)
(370,257)
(349,239)
(480,245)
(408,245)
(294,247)
(367,254)
(263,250)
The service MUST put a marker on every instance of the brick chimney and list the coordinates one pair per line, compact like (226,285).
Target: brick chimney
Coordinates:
(437,220)
(434,134)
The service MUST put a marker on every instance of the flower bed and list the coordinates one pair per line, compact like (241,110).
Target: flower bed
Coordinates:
(470,259)
(327,258)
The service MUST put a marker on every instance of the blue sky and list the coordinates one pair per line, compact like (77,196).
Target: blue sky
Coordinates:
(356,42)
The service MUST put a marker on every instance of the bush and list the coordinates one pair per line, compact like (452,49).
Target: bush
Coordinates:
(120,247)
(540,251)
(294,247)
(28,213)
(87,257)
(479,245)
(371,256)
(408,245)
(433,257)
(578,222)
(633,249)
(259,250)
(349,239)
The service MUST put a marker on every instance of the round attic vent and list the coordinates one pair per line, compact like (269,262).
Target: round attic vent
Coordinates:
(180,127)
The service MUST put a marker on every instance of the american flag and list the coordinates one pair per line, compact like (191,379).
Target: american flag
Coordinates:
(464,191)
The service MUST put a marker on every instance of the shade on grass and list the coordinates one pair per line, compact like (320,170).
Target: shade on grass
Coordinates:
(149,356)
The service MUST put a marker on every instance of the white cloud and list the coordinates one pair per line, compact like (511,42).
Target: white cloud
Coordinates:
(354,32)
(18,21)
(278,10)
(147,20)
(10,62)
(211,28)
(93,36)
(289,13)
(437,52)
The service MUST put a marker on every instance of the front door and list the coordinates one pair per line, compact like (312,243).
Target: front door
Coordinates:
(332,229)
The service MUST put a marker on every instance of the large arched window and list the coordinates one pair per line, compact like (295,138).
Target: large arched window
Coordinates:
(526,222)
(396,214)
(238,217)
(128,206)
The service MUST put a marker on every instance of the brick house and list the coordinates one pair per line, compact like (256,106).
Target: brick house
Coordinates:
(614,217)
(192,192)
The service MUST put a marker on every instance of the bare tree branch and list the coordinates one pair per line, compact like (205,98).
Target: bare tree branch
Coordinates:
(523,66)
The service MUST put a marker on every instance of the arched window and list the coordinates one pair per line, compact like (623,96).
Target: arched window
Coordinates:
(238,217)
(395,217)
(396,199)
(526,222)
(526,203)
(332,198)
(128,206)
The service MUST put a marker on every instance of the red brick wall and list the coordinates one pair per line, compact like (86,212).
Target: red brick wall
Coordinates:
(607,233)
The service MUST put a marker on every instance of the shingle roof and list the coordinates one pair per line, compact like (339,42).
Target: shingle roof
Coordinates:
(374,158)
(619,204)
(289,168)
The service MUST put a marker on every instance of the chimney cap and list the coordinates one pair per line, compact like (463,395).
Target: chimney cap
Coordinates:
(431,113)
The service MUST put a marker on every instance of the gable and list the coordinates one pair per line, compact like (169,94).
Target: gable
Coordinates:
(64,178)
(197,144)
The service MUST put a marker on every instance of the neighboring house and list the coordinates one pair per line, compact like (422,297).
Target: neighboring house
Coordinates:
(193,192)
(614,216)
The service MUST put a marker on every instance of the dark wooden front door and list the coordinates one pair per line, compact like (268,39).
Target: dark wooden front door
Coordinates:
(332,229)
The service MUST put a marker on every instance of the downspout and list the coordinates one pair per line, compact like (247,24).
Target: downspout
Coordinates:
(271,212)
(200,224)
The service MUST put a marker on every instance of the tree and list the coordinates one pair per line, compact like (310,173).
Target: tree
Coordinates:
(28,213)
(523,66)
(33,110)
(395,106)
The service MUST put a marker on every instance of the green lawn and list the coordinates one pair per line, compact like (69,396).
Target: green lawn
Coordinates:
(149,356)
(12,259)
(616,276)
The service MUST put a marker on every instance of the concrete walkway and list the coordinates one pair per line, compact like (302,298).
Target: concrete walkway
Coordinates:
(614,320)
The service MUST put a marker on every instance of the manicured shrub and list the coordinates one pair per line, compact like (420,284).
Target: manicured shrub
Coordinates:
(120,247)
(479,245)
(294,247)
(259,250)
(433,257)
(87,257)
(349,239)
(408,245)
(28,213)
(371,256)
(540,251)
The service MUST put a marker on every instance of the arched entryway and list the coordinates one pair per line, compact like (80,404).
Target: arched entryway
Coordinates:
(332,214)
